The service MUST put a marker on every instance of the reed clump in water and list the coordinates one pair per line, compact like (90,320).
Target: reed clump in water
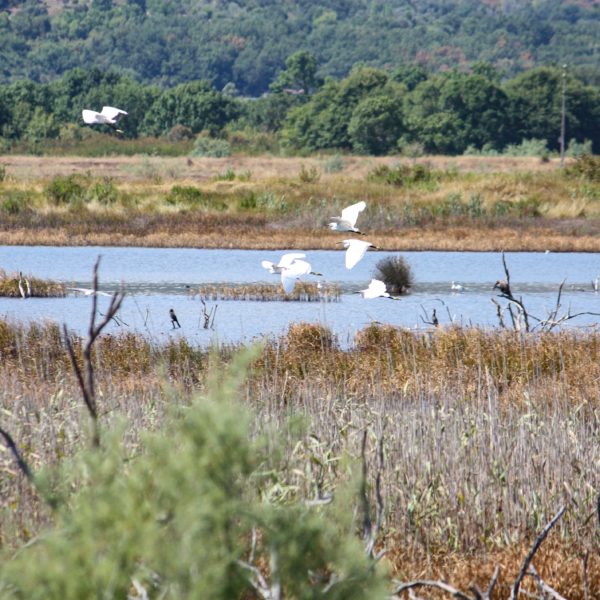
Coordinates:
(304,291)
(38,288)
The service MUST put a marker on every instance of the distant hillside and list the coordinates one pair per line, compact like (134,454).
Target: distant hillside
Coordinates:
(246,42)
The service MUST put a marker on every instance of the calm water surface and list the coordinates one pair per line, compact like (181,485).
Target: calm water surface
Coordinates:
(156,278)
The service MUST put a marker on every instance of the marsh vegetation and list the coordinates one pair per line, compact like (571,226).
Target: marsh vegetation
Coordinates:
(477,203)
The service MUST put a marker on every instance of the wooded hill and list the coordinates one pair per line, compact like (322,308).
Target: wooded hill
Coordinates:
(246,42)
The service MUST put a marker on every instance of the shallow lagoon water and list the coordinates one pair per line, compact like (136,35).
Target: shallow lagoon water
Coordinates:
(156,279)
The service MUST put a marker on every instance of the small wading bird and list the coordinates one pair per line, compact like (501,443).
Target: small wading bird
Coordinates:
(108,116)
(457,287)
(347,222)
(88,291)
(174,320)
(355,250)
(293,272)
(596,284)
(376,289)
(285,261)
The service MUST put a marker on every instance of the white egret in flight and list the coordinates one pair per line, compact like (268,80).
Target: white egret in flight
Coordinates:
(285,261)
(108,116)
(355,250)
(347,222)
(88,291)
(376,289)
(291,273)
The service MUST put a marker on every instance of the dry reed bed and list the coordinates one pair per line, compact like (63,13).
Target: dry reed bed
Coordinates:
(39,288)
(486,432)
(304,291)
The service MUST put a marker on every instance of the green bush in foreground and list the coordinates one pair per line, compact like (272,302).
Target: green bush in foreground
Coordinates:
(177,519)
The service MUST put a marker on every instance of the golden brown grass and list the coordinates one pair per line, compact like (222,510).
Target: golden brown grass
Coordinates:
(40,288)
(486,432)
(512,204)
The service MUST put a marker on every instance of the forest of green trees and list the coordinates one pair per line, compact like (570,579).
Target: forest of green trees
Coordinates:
(442,76)
(246,42)
(371,111)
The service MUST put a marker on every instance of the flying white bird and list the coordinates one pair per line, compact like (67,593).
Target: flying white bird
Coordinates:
(293,272)
(376,289)
(347,222)
(108,116)
(457,287)
(88,291)
(355,250)
(285,261)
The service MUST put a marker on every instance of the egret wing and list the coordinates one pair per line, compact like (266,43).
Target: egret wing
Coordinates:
(267,264)
(350,213)
(376,288)
(356,249)
(288,280)
(112,113)
(91,117)
(287,259)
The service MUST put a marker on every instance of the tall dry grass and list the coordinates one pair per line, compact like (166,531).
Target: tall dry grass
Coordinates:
(485,432)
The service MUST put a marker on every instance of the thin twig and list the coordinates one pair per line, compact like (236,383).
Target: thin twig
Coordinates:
(87,381)
(544,587)
(23,466)
(538,542)
(440,585)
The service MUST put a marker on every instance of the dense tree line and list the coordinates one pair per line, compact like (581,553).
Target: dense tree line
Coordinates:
(371,111)
(246,42)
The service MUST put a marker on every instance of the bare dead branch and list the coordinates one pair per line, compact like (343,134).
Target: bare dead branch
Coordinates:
(21,462)
(538,542)
(499,314)
(364,497)
(370,546)
(440,585)
(86,380)
(544,587)
(493,582)
(586,586)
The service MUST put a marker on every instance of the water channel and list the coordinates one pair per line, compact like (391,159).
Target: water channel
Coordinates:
(157,279)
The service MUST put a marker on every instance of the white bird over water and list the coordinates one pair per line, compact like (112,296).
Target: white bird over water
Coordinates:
(108,116)
(88,291)
(376,289)
(457,287)
(293,272)
(347,222)
(285,261)
(355,250)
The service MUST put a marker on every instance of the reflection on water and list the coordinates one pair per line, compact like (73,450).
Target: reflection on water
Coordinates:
(159,279)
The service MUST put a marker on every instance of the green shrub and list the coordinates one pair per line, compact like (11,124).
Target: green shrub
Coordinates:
(228,175)
(578,149)
(211,147)
(104,191)
(65,189)
(176,520)
(15,202)
(532,147)
(185,195)
(334,164)
(402,175)
(585,167)
(2,173)
(310,175)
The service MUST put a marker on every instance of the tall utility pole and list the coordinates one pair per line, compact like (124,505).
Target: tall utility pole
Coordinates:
(563,116)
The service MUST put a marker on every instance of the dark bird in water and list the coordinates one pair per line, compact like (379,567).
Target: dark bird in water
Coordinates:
(174,320)
(504,287)
(434,318)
